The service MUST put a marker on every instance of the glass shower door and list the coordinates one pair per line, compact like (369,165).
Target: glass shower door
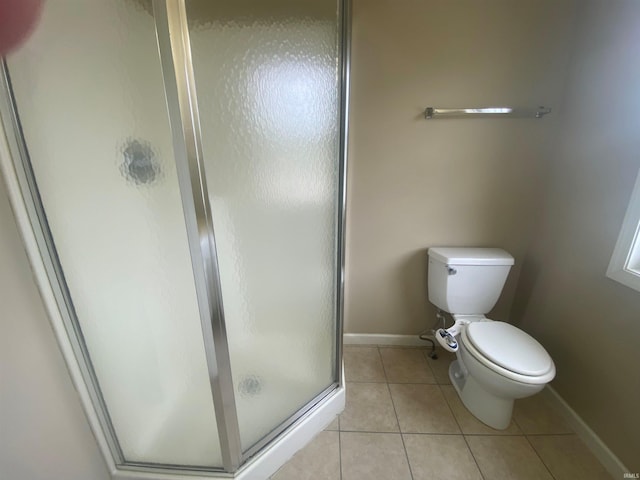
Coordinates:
(89,94)
(267,78)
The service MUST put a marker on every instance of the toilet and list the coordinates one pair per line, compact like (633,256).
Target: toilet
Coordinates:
(496,362)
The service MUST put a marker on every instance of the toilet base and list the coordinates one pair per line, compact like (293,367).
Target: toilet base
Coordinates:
(490,409)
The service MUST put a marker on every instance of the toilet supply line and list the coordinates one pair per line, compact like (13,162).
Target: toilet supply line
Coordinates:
(432,333)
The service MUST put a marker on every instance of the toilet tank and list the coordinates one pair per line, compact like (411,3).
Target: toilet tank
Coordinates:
(467,281)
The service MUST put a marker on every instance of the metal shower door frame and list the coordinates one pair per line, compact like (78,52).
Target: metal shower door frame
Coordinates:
(180,90)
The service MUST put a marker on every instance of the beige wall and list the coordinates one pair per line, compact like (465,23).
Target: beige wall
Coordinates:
(43,430)
(415,183)
(589,323)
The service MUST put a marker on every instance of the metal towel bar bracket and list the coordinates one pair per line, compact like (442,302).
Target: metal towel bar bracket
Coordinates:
(431,113)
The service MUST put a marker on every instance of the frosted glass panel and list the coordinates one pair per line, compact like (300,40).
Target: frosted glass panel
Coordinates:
(266,77)
(90,97)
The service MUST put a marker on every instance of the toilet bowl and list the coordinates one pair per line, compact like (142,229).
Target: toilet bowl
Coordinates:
(496,362)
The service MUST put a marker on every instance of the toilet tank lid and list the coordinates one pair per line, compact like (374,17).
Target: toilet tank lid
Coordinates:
(471,256)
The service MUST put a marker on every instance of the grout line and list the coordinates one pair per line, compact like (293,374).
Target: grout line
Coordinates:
(425,358)
(340,448)
(538,455)
(416,383)
(406,347)
(513,417)
(475,460)
(395,412)
(464,437)
(365,381)
(449,434)
(443,359)
(368,432)
(384,370)
(415,433)
(446,402)
(406,454)
(397,383)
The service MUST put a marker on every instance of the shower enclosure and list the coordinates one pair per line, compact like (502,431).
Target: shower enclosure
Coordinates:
(178,171)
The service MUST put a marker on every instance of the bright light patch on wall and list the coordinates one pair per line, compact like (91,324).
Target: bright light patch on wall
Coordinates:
(625,261)
(488,110)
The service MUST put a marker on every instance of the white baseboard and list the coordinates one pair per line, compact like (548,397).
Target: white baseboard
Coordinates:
(608,459)
(383,339)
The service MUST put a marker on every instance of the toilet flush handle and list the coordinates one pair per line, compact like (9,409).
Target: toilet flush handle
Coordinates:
(451,270)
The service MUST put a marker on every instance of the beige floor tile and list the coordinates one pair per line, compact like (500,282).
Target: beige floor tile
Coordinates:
(368,456)
(568,458)
(535,416)
(422,409)
(368,409)
(507,457)
(406,365)
(320,460)
(470,424)
(335,425)
(440,457)
(440,367)
(363,364)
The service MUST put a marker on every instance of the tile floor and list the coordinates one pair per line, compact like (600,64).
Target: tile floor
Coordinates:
(403,420)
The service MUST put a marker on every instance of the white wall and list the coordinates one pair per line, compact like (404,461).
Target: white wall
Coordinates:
(43,431)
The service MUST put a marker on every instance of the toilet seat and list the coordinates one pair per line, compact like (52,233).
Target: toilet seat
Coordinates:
(508,351)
